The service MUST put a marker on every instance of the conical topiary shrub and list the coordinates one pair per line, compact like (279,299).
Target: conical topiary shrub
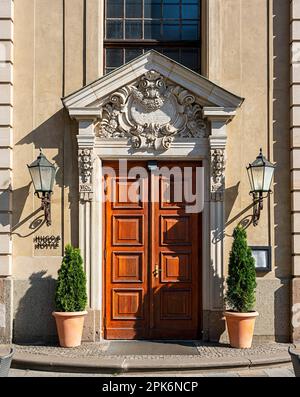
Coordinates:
(241,281)
(70,298)
(240,296)
(70,295)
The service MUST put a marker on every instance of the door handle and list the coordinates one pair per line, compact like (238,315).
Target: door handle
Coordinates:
(156,271)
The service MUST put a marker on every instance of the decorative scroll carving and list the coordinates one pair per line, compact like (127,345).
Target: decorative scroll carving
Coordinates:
(217,174)
(150,113)
(85,174)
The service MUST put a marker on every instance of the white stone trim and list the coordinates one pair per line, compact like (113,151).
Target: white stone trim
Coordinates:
(295,122)
(6,141)
(6,26)
(207,92)
(6,9)
(5,265)
(5,179)
(6,94)
(5,244)
(6,72)
(5,158)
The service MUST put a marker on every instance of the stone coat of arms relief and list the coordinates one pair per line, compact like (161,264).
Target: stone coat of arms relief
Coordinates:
(150,113)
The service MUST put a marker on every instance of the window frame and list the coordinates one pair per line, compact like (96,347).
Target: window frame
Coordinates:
(154,44)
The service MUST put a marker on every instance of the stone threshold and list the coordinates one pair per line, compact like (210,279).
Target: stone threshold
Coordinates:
(97,358)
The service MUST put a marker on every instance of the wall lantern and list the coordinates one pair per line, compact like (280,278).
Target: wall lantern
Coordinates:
(43,173)
(260,174)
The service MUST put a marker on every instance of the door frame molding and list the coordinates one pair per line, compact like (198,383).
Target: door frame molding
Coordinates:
(106,221)
(195,100)
(211,151)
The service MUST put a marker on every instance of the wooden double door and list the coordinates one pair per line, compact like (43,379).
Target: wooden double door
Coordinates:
(152,266)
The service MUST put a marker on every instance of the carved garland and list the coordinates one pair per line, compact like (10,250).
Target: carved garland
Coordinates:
(85,174)
(151,113)
(217,174)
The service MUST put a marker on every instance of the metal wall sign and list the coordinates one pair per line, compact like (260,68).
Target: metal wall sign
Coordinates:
(262,257)
(46,242)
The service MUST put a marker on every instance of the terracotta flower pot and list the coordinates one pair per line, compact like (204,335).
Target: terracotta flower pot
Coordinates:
(295,356)
(240,328)
(69,327)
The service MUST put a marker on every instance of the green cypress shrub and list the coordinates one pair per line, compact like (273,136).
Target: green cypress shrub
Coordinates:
(241,280)
(70,294)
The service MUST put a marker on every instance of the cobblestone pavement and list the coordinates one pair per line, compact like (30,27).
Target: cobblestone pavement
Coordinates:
(203,350)
(282,372)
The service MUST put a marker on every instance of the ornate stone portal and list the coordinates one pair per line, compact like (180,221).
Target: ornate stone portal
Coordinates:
(150,113)
(153,108)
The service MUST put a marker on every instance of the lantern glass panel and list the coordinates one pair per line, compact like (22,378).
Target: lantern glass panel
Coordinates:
(36,178)
(46,178)
(258,178)
(250,176)
(268,178)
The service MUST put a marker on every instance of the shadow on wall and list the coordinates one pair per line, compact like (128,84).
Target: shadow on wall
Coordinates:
(215,321)
(281,151)
(34,297)
(231,194)
(33,321)
(59,133)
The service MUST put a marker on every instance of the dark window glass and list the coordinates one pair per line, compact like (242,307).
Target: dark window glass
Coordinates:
(171,32)
(189,31)
(189,11)
(114,29)
(171,11)
(152,9)
(190,58)
(114,8)
(131,53)
(152,30)
(133,30)
(134,8)
(173,54)
(114,57)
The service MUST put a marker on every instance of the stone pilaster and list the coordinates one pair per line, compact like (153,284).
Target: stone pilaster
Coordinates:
(6,144)
(214,325)
(85,140)
(295,157)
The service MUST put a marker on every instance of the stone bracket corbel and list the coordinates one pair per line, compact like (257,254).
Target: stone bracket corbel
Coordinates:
(218,118)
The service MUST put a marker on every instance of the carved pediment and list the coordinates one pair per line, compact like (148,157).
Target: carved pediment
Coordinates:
(150,113)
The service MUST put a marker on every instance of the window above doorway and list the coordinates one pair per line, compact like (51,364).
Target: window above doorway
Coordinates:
(171,27)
